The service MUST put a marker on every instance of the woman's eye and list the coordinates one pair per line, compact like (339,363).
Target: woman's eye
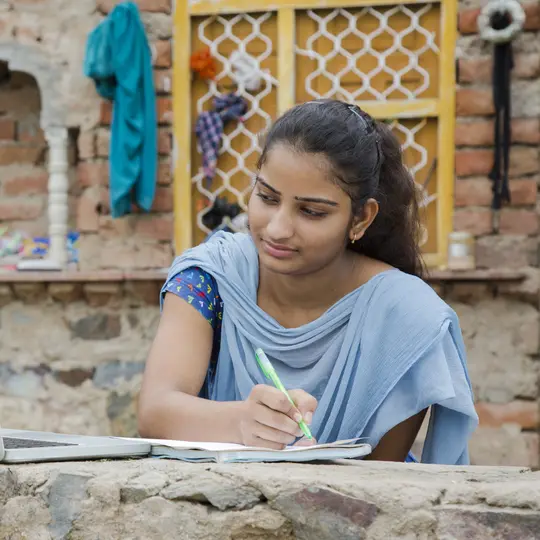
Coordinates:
(313,213)
(265,198)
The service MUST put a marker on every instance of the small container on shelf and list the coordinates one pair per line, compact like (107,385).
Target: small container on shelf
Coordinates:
(461,251)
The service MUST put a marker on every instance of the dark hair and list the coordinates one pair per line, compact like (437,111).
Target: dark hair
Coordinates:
(366,161)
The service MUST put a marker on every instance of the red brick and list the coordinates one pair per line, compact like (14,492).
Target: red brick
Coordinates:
(467,21)
(92,173)
(526,130)
(523,161)
(11,210)
(153,6)
(164,110)
(522,413)
(164,174)
(473,192)
(14,154)
(163,201)
(518,221)
(162,54)
(523,191)
(32,184)
(7,129)
(477,222)
(474,102)
(473,162)
(106,112)
(477,70)
(157,228)
(31,133)
(479,133)
(86,145)
(478,192)
(163,81)
(532,14)
(164,142)
(480,69)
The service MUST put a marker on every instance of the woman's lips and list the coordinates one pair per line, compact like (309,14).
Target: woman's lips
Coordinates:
(278,251)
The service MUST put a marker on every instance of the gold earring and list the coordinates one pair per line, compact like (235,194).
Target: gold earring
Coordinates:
(353,240)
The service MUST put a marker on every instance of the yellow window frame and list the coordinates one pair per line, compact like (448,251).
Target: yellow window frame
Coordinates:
(442,107)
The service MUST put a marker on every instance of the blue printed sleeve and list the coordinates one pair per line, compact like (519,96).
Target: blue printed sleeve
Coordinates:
(199,289)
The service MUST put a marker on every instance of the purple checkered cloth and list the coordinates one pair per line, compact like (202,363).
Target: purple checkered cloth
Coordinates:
(209,129)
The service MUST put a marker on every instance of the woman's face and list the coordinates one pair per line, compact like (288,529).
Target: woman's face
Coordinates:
(299,219)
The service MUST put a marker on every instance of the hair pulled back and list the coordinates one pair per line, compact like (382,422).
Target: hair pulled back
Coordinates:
(365,159)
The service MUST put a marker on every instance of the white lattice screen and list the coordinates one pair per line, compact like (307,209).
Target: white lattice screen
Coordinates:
(386,58)
(245,33)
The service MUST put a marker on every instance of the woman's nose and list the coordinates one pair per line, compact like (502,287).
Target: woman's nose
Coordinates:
(280,225)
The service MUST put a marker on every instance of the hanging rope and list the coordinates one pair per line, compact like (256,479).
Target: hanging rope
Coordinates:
(500,21)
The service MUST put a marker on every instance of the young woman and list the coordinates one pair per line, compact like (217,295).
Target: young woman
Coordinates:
(328,284)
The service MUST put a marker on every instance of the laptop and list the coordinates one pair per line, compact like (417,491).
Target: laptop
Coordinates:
(23,446)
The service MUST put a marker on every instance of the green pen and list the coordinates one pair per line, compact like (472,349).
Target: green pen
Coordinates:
(269,372)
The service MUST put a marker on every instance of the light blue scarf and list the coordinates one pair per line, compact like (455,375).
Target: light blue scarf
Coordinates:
(391,333)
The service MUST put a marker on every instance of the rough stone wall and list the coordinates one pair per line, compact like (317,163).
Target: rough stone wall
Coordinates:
(156,499)
(79,368)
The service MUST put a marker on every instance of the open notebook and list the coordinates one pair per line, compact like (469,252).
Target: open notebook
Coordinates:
(231,453)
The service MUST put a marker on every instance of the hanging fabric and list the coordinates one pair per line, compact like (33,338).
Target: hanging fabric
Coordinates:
(118,60)
(500,21)
(209,129)
(245,70)
(203,64)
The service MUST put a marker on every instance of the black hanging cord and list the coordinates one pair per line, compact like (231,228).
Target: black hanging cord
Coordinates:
(503,63)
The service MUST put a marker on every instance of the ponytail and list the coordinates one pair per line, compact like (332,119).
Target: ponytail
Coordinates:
(394,235)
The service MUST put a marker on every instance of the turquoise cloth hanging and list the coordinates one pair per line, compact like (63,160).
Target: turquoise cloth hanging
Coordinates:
(118,59)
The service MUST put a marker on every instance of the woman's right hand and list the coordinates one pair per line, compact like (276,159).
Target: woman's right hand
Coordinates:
(269,420)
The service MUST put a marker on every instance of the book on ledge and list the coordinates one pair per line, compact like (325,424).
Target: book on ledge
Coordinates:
(198,452)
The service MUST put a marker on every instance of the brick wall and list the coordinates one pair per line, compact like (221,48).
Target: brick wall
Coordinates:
(140,240)
(23,177)
(516,245)
(137,241)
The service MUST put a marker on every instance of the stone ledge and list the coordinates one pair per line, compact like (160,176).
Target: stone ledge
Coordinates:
(434,276)
(155,499)
(82,277)
(142,287)
(476,276)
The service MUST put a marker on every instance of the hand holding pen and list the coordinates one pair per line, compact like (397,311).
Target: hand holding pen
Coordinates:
(275,417)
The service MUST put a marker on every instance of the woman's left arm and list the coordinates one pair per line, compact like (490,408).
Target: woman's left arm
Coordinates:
(396,443)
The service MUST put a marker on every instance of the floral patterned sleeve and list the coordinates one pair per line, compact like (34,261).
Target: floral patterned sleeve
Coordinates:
(199,289)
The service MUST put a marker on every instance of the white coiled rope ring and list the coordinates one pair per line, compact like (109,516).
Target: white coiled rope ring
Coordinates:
(503,35)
